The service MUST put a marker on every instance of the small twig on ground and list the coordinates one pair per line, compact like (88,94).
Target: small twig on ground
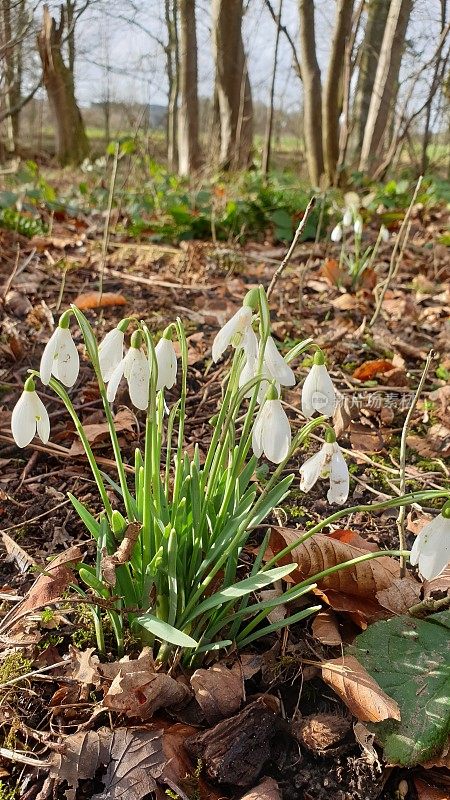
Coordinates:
(396,260)
(105,239)
(304,269)
(301,227)
(402,470)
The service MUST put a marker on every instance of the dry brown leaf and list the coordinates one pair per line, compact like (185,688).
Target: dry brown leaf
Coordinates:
(124,420)
(427,792)
(436,443)
(320,731)
(370,369)
(357,689)
(179,770)
(400,596)
(330,270)
(348,536)
(99,300)
(85,665)
(122,554)
(140,693)
(219,691)
(325,628)
(16,553)
(266,790)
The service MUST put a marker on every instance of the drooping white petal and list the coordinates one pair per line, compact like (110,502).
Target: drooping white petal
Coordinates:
(137,373)
(358,226)
(23,421)
(167,364)
(277,365)
(238,323)
(318,392)
(110,352)
(339,477)
(46,366)
(114,381)
(384,233)
(347,219)
(431,549)
(276,431)
(257,432)
(312,469)
(336,233)
(41,418)
(264,385)
(66,362)
(250,347)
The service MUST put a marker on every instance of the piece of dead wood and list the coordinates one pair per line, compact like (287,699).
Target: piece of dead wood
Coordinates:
(219,691)
(237,749)
(318,732)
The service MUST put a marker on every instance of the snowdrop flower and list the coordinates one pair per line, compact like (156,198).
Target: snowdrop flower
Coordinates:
(29,415)
(135,368)
(271,431)
(431,549)
(60,357)
(384,234)
(276,365)
(250,347)
(110,350)
(166,358)
(347,219)
(358,226)
(327,463)
(336,233)
(232,332)
(318,393)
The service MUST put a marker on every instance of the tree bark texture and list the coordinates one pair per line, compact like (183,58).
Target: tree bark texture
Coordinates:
(172,62)
(385,86)
(188,141)
(369,54)
(72,145)
(333,89)
(232,85)
(312,92)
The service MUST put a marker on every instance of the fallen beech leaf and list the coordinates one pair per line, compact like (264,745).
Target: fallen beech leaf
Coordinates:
(99,300)
(331,272)
(140,693)
(400,596)
(319,731)
(85,665)
(435,443)
(427,792)
(348,536)
(358,690)
(124,420)
(15,553)
(325,628)
(368,370)
(266,790)
(219,691)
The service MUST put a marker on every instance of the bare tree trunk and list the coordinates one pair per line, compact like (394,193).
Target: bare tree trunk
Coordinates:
(70,21)
(312,91)
(7,44)
(172,75)
(269,120)
(386,80)
(72,145)
(438,74)
(233,85)
(188,142)
(332,95)
(369,54)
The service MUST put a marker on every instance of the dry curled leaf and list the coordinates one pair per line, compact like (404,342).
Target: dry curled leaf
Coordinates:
(436,443)
(400,596)
(357,689)
(122,554)
(219,691)
(325,628)
(99,300)
(140,693)
(266,790)
(16,553)
(85,665)
(370,369)
(427,792)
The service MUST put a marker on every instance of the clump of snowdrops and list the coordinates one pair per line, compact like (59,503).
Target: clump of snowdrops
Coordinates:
(168,566)
(354,256)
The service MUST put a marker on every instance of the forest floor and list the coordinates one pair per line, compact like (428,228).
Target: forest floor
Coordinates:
(271,720)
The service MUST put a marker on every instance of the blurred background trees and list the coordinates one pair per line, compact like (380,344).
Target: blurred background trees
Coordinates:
(331,88)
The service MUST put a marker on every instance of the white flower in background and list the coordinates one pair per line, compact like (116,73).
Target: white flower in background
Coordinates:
(166,358)
(232,332)
(110,350)
(271,431)
(276,365)
(250,347)
(431,549)
(336,233)
(60,357)
(135,368)
(29,415)
(347,219)
(318,392)
(384,234)
(327,463)
(358,227)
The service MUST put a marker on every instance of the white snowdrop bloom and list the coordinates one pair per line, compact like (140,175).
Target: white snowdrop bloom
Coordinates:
(110,350)
(327,463)
(318,392)
(336,233)
(166,358)
(29,415)
(271,431)
(384,234)
(135,368)
(60,357)
(347,219)
(232,331)
(431,549)
(250,347)
(277,366)
(358,226)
